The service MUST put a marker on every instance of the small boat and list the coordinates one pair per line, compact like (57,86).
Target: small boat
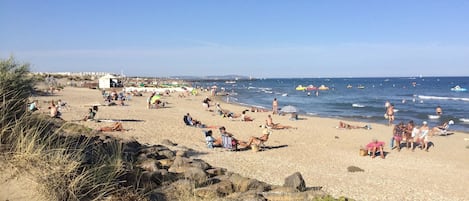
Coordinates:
(285,94)
(311,88)
(300,88)
(360,87)
(349,86)
(458,88)
(322,87)
(230,82)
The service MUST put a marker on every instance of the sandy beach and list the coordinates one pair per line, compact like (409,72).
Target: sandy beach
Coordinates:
(316,149)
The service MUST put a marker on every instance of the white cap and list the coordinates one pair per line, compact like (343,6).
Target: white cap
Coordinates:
(424,122)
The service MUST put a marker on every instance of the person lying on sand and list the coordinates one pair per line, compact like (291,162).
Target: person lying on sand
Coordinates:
(256,109)
(244,117)
(349,126)
(117,126)
(269,123)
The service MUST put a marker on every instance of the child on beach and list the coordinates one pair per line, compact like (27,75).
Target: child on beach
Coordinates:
(209,139)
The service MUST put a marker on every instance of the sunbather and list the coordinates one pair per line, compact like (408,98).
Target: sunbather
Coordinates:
(259,140)
(90,116)
(269,123)
(349,126)
(244,117)
(223,132)
(441,128)
(117,126)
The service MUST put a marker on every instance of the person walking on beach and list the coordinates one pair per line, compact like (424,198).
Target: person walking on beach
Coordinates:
(275,106)
(390,114)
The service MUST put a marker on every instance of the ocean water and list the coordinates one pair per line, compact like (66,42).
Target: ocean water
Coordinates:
(414,98)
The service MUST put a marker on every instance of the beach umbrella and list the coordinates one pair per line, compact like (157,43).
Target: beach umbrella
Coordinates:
(155,98)
(289,109)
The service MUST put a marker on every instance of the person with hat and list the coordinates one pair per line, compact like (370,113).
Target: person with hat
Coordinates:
(259,140)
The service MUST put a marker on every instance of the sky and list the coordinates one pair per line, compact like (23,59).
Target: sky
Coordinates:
(259,38)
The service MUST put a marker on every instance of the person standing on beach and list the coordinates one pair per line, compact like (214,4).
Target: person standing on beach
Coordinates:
(275,106)
(390,114)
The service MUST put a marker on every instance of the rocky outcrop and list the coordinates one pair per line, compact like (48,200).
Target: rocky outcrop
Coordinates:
(166,174)
(295,181)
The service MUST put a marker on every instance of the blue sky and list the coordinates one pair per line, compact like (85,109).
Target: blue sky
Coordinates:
(330,38)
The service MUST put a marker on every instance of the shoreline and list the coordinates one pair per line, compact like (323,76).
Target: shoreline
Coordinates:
(327,117)
(318,150)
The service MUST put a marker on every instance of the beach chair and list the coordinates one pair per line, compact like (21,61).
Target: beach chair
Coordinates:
(229,143)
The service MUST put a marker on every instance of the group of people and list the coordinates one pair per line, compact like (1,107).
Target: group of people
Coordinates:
(114,98)
(252,141)
(54,108)
(411,134)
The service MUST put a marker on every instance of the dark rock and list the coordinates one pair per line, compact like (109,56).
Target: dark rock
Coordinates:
(166,153)
(243,184)
(295,181)
(197,175)
(354,169)
(223,188)
(180,165)
(246,196)
(200,164)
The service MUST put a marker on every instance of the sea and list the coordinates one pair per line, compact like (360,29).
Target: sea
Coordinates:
(357,99)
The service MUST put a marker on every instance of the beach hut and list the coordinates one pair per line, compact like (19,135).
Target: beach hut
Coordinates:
(108,81)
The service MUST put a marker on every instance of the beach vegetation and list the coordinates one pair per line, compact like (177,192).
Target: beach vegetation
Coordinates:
(68,168)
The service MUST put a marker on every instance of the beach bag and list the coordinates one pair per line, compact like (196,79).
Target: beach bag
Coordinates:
(254,148)
(363,152)
(386,116)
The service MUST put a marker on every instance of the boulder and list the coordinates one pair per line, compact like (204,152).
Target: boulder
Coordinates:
(166,154)
(295,181)
(246,196)
(200,164)
(243,184)
(197,175)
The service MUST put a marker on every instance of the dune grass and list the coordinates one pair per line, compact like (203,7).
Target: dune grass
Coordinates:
(67,167)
